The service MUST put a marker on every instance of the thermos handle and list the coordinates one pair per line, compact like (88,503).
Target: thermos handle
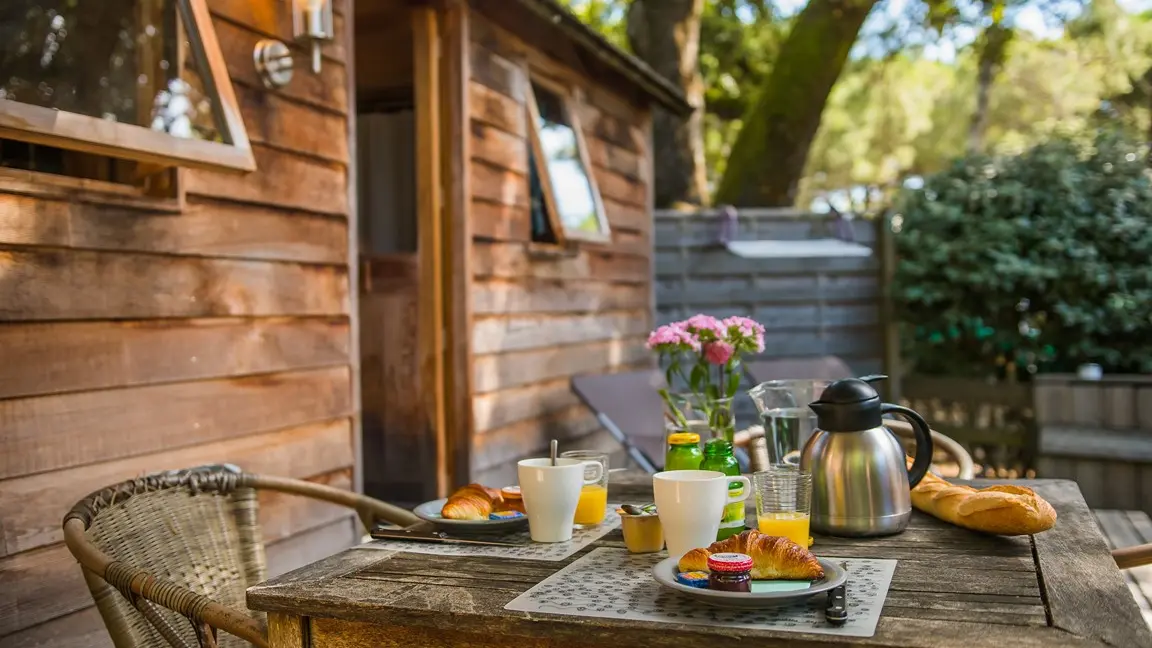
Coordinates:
(923,459)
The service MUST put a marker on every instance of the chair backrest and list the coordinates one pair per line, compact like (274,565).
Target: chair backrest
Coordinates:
(814,368)
(628,404)
(191,528)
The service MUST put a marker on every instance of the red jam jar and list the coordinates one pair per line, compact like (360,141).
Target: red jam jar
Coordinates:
(730,572)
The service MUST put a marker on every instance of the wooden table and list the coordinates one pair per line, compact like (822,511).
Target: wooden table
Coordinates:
(952,587)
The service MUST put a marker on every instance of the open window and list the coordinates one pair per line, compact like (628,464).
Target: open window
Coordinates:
(115,90)
(565,201)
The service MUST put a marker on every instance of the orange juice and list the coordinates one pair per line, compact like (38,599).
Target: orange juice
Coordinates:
(592,505)
(788,524)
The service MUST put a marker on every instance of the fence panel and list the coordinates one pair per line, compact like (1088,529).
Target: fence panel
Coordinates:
(810,306)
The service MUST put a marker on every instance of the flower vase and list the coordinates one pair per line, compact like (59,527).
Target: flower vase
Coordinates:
(711,418)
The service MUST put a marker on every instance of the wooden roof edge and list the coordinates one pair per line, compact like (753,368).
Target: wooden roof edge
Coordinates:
(647,79)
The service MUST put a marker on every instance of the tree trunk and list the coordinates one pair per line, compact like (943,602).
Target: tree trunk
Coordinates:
(993,48)
(665,34)
(767,160)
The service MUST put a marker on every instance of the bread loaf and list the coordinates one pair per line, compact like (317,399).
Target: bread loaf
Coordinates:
(773,557)
(1000,510)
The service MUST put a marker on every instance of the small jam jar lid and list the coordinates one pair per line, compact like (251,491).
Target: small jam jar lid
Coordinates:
(511,492)
(729,563)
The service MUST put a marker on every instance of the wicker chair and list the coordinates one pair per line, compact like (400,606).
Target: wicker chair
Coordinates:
(168,556)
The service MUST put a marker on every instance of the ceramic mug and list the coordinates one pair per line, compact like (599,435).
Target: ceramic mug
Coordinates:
(690,504)
(551,494)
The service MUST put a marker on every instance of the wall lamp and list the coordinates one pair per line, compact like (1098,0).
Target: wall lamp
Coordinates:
(312,24)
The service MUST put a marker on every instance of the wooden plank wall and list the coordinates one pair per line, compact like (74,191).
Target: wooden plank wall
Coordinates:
(810,307)
(1098,433)
(543,316)
(136,341)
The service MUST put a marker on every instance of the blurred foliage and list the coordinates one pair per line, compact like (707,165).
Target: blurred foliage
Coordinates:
(901,108)
(1038,260)
(907,115)
(605,16)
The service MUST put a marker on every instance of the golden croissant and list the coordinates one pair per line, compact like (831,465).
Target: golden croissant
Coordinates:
(472,502)
(773,557)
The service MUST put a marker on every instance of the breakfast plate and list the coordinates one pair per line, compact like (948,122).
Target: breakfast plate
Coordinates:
(834,575)
(430,512)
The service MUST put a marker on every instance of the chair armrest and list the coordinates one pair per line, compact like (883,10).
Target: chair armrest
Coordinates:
(1130,557)
(369,509)
(133,581)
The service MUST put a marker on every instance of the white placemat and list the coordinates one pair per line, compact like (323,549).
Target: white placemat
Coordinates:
(529,551)
(614,584)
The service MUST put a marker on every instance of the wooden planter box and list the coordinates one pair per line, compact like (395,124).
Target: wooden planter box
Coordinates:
(1098,433)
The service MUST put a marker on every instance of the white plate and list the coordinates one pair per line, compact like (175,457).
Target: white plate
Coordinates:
(430,511)
(665,573)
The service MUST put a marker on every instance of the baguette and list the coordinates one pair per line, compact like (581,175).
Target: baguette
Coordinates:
(999,510)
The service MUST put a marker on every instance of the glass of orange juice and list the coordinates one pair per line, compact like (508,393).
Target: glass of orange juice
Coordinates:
(783,502)
(593,504)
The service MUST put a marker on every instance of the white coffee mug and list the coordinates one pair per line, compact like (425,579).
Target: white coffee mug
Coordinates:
(551,493)
(690,504)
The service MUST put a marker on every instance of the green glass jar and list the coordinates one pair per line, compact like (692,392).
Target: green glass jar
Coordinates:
(718,456)
(683,452)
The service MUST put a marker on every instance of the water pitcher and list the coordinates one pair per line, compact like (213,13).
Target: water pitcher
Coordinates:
(788,421)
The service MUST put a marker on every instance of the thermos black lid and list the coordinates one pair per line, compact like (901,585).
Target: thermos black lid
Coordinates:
(848,405)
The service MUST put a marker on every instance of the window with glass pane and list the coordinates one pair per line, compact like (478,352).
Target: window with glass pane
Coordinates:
(574,197)
(119,60)
(541,218)
(134,63)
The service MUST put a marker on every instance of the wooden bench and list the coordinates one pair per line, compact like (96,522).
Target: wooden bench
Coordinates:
(1127,529)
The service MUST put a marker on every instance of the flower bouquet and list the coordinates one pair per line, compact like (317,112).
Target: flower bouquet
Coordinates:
(704,352)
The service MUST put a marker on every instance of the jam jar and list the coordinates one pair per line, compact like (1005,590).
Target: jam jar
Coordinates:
(730,572)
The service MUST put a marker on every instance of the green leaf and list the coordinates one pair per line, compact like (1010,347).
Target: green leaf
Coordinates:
(733,383)
(699,377)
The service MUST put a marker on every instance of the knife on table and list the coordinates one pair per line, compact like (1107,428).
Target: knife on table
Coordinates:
(422,535)
(836,609)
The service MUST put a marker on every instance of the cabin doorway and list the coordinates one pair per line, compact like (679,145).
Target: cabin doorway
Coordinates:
(398,449)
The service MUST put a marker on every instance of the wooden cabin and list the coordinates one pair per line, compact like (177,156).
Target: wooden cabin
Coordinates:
(378,274)
(544,265)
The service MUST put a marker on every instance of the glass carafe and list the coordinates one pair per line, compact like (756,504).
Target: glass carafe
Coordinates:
(788,421)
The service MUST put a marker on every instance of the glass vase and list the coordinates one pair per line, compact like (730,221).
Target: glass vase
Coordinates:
(711,418)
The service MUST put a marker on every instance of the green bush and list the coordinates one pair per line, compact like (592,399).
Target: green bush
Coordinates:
(1042,260)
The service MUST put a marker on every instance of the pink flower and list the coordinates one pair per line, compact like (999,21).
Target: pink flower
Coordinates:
(705,327)
(718,353)
(672,337)
(745,333)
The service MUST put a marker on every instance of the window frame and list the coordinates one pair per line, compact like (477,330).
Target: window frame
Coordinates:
(571,99)
(73,131)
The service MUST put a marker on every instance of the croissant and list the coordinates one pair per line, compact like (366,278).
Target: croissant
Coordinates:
(1000,510)
(472,502)
(773,557)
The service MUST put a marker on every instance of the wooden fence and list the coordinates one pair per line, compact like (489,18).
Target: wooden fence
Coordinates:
(810,306)
(1098,433)
(995,422)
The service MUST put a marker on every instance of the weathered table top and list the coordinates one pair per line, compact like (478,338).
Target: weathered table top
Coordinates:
(952,587)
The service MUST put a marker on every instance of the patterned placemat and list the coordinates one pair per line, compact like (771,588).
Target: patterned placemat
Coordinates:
(613,583)
(529,551)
